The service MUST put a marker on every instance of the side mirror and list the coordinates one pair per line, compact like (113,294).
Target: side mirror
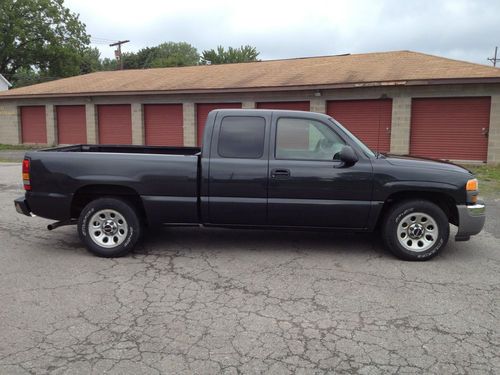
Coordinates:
(347,156)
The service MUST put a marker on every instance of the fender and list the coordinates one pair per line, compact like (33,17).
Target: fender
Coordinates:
(383,192)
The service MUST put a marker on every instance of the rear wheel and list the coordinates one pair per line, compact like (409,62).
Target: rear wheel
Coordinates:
(109,227)
(416,230)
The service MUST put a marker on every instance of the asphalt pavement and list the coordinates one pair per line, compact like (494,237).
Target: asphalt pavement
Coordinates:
(192,300)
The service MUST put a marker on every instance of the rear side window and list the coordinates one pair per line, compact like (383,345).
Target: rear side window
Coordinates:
(242,137)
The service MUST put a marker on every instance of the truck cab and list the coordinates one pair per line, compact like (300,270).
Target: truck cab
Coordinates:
(282,168)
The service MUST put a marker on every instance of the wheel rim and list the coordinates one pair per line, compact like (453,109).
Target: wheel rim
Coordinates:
(417,232)
(108,228)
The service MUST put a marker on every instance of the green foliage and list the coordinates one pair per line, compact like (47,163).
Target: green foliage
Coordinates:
(90,61)
(42,40)
(232,55)
(174,54)
(108,64)
(164,55)
(25,76)
(40,37)
(489,178)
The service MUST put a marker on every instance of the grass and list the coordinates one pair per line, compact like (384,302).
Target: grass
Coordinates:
(4,147)
(488,176)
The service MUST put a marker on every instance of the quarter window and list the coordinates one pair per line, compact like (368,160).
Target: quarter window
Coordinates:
(306,139)
(242,137)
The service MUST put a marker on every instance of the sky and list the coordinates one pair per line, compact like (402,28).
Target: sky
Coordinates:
(458,29)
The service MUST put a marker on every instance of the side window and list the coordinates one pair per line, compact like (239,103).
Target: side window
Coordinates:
(242,137)
(306,139)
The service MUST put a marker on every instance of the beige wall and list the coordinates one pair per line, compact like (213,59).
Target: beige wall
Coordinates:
(401,112)
(494,131)
(189,119)
(138,137)
(91,117)
(400,127)
(9,123)
(50,121)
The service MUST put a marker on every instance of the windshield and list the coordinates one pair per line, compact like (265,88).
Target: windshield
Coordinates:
(356,140)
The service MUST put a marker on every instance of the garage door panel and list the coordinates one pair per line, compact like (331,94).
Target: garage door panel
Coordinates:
(370,120)
(291,106)
(202,111)
(115,124)
(71,124)
(450,128)
(33,125)
(163,124)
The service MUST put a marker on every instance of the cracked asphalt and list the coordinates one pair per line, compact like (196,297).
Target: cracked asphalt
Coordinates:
(205,301)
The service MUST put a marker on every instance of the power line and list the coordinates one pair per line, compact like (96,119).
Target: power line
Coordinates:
(103,39)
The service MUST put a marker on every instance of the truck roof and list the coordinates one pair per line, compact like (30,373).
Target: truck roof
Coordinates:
(268,111)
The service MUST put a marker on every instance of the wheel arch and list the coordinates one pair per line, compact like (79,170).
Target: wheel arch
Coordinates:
(443,200)
(86,194)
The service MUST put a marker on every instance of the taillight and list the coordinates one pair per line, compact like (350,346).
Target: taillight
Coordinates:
(26,174)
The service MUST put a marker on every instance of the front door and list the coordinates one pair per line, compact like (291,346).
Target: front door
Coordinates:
(308,185)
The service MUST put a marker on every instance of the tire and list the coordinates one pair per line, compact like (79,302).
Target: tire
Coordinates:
(109,227)
(415,230)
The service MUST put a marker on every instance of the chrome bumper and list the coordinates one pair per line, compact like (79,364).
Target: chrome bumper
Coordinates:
(470,220)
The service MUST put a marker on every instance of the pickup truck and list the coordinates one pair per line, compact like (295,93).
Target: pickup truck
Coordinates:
(273,169)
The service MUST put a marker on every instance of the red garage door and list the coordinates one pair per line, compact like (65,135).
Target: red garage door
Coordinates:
(33,125)
(163,124)
(370,120)
(450,128)
(115,124)
(202,111)
(292,106)
(71,124)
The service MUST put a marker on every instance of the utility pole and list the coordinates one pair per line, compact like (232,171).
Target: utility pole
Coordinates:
(118,51)
(494,59)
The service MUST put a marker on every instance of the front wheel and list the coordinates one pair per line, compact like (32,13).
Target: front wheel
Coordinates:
(109,227)
(416,230)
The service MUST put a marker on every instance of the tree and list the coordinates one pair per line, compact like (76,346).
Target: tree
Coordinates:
(164,55)
(232,55)
(108,64)
(91,61)
(174,54)
(41,37)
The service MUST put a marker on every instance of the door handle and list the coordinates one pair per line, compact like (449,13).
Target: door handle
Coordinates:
(280,173)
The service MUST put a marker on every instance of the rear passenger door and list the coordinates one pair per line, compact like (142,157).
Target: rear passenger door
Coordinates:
(238,169)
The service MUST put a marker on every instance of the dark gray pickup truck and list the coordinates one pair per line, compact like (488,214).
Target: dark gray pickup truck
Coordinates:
(256,169)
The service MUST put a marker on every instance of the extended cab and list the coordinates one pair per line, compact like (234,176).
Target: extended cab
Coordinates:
(256,169)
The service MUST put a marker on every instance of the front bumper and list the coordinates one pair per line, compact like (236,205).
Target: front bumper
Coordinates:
(470,220)
(22,206)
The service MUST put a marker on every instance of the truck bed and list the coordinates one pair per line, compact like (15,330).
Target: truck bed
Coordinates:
(127,149)
(165,179)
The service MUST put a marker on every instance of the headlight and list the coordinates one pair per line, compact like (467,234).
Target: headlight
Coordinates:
(472,188)
(472,185)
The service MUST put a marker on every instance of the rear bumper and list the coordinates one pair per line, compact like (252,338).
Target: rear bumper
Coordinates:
(47,205)
(22,206)
(470,220)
